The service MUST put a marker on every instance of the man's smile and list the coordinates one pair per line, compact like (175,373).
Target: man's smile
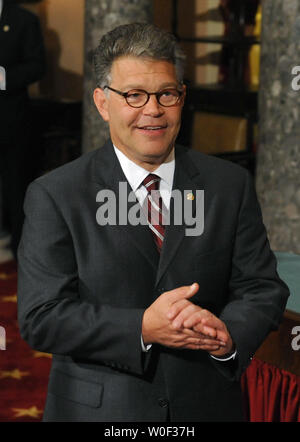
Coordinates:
(152,129)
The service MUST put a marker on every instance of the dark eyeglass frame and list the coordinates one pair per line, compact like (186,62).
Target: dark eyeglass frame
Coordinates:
(157,95)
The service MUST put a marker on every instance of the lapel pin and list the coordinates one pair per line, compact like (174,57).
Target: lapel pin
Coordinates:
(6,28)
(190,196)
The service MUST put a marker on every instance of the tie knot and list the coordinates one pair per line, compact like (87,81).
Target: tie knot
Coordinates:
(151,182)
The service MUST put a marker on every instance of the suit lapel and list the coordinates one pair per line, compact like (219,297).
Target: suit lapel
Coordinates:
(174,234)
(107,173)
(4,17)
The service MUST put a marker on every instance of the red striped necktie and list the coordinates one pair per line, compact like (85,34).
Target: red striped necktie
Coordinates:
(155,220)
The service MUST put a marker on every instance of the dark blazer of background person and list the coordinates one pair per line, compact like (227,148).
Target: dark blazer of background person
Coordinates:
(83,289)
(22,56)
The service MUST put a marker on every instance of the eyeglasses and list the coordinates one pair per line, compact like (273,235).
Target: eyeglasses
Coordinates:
(139,97)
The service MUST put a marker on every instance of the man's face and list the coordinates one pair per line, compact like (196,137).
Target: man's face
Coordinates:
(147,134)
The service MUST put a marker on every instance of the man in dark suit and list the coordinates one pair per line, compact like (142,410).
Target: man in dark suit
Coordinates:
(22,59)
(149,320)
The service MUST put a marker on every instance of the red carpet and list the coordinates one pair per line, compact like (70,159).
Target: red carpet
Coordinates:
(23,371)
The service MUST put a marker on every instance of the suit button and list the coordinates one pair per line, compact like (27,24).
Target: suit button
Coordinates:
(162,402)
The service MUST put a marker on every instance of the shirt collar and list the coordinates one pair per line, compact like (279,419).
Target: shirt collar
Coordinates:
(135,174)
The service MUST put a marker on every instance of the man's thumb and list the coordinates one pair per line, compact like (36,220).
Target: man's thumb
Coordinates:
(192,290)
(184,292)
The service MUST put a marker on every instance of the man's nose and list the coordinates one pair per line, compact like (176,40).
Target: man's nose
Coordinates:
(152,107)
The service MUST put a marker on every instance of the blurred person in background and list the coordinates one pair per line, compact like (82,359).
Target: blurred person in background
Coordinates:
(22,61)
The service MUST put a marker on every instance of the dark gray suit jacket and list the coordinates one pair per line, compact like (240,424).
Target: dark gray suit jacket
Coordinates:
(83,289)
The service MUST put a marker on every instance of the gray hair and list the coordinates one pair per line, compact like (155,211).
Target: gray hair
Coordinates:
(138,40)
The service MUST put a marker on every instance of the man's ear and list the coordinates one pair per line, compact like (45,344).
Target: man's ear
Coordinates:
(101,102)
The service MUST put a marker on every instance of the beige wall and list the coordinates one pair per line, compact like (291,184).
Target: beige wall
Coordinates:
(208,55)
(195,21)
(63,27)
(66,17)
(62,22)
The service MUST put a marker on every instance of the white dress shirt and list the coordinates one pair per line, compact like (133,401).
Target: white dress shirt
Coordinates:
(135,175)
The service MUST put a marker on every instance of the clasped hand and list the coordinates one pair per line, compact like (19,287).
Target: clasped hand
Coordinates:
(174,321)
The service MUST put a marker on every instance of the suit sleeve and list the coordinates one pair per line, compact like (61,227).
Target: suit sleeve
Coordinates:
(52,317)
(257,294)
(31,64)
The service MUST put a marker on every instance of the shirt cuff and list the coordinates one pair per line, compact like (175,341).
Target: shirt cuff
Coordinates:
(231,357)
(145,348)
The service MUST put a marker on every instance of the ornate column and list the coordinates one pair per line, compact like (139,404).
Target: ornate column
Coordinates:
(278,167)
(100,17)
